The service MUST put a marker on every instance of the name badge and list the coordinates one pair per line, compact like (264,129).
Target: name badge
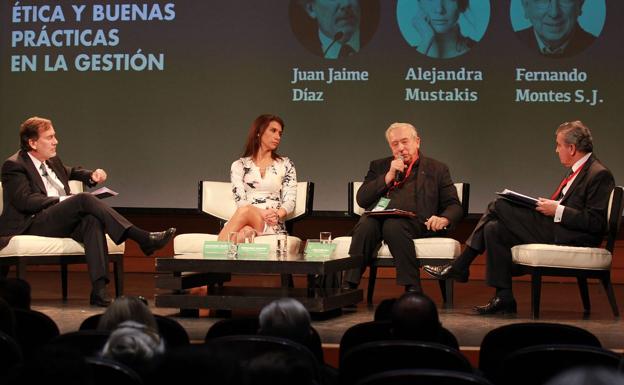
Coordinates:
(212,248)
(253,250)
(382,204)
(317,249)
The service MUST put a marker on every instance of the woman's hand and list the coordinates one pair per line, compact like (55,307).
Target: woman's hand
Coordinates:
(270,216)
(422,24)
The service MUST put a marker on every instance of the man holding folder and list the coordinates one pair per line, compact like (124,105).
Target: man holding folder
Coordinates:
(574,215)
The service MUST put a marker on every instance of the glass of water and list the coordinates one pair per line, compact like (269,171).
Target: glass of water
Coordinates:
(281,247)
(232,243)
(250,235)
(325,237)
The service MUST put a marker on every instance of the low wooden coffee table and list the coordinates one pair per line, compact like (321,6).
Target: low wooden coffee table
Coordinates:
(176,275)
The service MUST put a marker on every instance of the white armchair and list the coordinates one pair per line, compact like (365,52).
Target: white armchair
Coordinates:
(429,251)
(215,199)
(580,262)
(25,250)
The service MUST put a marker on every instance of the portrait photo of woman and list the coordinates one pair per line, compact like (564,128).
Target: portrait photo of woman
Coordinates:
(443,29)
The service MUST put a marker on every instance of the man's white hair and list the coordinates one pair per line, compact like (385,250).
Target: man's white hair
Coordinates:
(394,126)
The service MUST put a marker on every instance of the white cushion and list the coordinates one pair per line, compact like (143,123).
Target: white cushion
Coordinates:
(33,245)
(191,243)
(545,255)
(447,248)
(194,242)
(342,245)
(426,248)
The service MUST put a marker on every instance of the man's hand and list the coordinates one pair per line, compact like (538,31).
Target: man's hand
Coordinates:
(435,223)
(547,206)
(98,176)
(397,165)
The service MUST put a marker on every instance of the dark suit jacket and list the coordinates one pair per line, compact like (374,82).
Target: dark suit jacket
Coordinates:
(24,193)
(586,203)
(435,192)
(581,39)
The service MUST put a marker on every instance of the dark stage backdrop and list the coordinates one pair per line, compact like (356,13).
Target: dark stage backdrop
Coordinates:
(161,94)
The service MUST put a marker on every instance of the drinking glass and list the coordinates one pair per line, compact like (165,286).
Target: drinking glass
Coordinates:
(281,248)
(250,235)
(325,237)
(232,243)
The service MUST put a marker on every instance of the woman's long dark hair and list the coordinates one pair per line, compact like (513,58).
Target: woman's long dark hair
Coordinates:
(256,131)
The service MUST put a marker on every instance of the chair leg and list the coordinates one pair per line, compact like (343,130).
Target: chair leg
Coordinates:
(64,281)
(536,292)
(606,283)
(448,292)
(118,273)
(287,281)
(20,270)
(372,277)
(582,284)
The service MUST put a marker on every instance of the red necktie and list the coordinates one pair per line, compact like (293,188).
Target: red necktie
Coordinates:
(567,179)
(562,185)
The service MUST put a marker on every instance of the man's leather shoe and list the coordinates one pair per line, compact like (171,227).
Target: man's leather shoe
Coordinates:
(99,297)
(447,272)
(157,240)
(498,305)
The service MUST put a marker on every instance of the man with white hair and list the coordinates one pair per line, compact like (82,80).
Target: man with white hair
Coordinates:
(555,30)
(408,181)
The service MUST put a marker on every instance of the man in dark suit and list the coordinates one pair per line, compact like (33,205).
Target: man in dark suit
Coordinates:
(37,201)
(555,31)
(575,215)
(408,181)
(338,27)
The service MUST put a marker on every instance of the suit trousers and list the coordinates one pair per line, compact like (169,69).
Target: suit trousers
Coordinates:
(85,219)
(502,226)
(398,233)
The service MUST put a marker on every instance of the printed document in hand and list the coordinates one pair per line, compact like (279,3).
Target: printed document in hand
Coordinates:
(518,198)
(104,192)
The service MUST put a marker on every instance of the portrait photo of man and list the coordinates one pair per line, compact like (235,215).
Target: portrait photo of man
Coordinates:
(334,29)
(558,28)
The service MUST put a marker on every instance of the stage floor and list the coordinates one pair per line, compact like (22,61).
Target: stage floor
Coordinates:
(560,303)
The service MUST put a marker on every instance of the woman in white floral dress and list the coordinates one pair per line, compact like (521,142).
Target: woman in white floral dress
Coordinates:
(264,183)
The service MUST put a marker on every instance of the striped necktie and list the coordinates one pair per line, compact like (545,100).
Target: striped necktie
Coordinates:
(58,186)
